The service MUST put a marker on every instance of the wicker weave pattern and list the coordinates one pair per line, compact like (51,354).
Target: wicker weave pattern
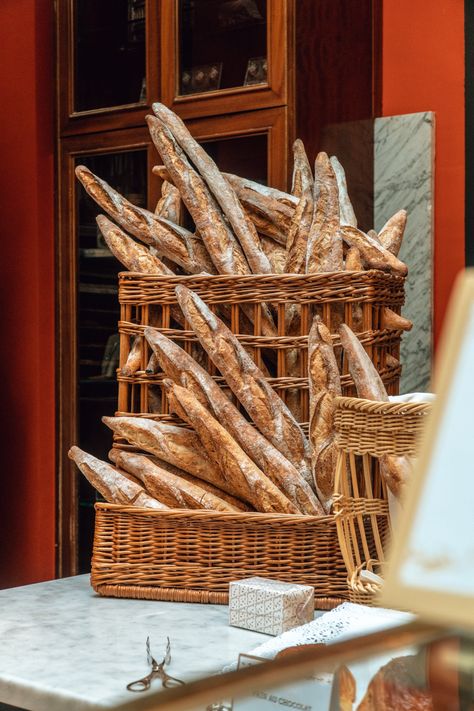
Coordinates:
(193,555)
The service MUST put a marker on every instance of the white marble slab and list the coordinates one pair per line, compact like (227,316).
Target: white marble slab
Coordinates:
(65,647)
(404,178)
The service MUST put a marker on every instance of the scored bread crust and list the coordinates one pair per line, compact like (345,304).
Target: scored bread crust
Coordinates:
(177,445)
(324,387)
(267,410)
(303,216)
(179,246)
(237,469)
(324,252)
(167,487)
(169,205)
(222,191)
(183,370)
(271,217)
(373,253)
(346,211)
(391,234)
(238,182)
(390,319)
(135,257)
(116,487)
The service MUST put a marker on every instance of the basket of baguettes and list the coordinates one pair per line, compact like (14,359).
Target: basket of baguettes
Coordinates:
(231,352)
(377,440)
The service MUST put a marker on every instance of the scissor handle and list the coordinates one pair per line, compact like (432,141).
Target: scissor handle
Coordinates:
(170,681)
(140,684)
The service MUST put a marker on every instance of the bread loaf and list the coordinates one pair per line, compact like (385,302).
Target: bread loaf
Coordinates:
(270,216)
(165,486)
(391,234)
(324,251)
(176,445)
(237,182)
(222,191)
(324,386)
(238,471)
(180,247)
(183,370)
(169,205)
(303,216)
(265,407)
(390,319)
(398,685)
(135,257)
(275,253)
(372,252)
(353,260)
(134,358)
(113,485)
(346,211)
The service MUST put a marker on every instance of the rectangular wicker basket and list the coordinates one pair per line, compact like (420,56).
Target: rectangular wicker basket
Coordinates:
(365,431)
(192,556)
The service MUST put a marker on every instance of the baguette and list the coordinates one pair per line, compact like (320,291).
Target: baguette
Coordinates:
(176,445)
(275,253)
(354,260)
(152,365)
(183,370)
(113,485)
(134,358)
(237,183)
(324,251)
(270,216)
(172,490)
(303,216)
(391,234)
(181,247)
(238,470)
(324,386)
(390,319)
(135,257)
(246,380)
(169,205)
(376,256)
(369,385)
(346,211)
(222,191)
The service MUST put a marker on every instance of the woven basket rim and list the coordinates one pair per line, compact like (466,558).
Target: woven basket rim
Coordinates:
(231,278)
(206,514)
(377,407)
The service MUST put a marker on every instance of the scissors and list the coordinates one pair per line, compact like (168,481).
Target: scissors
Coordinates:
(157,669)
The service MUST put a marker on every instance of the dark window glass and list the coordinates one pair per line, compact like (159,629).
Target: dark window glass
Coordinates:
(243,155)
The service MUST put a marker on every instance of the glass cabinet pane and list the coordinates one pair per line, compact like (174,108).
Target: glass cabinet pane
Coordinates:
(97,319)
(222,44)
(242,155)
(109,61)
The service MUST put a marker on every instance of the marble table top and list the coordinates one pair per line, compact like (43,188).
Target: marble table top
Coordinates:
(63,646)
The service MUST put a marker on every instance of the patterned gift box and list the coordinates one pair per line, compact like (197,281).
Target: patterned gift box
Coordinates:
(269,606)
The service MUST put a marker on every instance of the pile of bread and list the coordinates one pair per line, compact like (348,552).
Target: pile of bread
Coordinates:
(244,450)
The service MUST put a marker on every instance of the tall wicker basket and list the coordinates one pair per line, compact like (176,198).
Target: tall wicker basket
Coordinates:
(367,430)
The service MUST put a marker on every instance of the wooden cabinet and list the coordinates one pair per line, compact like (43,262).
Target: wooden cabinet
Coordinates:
(247,76)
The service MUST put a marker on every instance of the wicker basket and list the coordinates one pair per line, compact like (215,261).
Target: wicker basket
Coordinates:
(150,300)
(192,556)
(367,430)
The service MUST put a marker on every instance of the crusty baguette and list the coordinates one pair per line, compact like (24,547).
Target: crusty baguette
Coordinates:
(183,370)
(169,205)
(270,216)
(353,260)
(376,256)
(390,319)
(113,485)
(391,234)
(275,253)
(301,224)
(238,470)
(373,234)
(162,172)
(177,445)
(222,191)
(181,247)
(134,358)
(391,361)
(220,242)
(347,215)
(246,380)
(237,182)
(135,257)
(324,386)
(369,385)
(152,365)
(324,252)
(172,490)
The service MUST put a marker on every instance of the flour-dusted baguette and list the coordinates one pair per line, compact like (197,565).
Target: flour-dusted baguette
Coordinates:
(275,253)
(369,385)
(303,216)
(134,358)
(376,256)
(113,485)
(324,386)
(182,369)
(238,182)
(172,490)
(270,216)
(169,205)
(246,380)
(179,246)
(391,361)
(135,257)
(152,365)
(238,470)
(390,319)
(391,234)
(353,262)
(324,252)
(177,445)
(222,191)
(347,215)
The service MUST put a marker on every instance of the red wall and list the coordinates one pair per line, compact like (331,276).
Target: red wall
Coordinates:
(27,429)
(423,69)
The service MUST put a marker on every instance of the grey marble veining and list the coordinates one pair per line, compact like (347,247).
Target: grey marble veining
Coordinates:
(65,647)
(404,178)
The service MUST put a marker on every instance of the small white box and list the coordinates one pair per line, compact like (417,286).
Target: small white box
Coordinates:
(269,606)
